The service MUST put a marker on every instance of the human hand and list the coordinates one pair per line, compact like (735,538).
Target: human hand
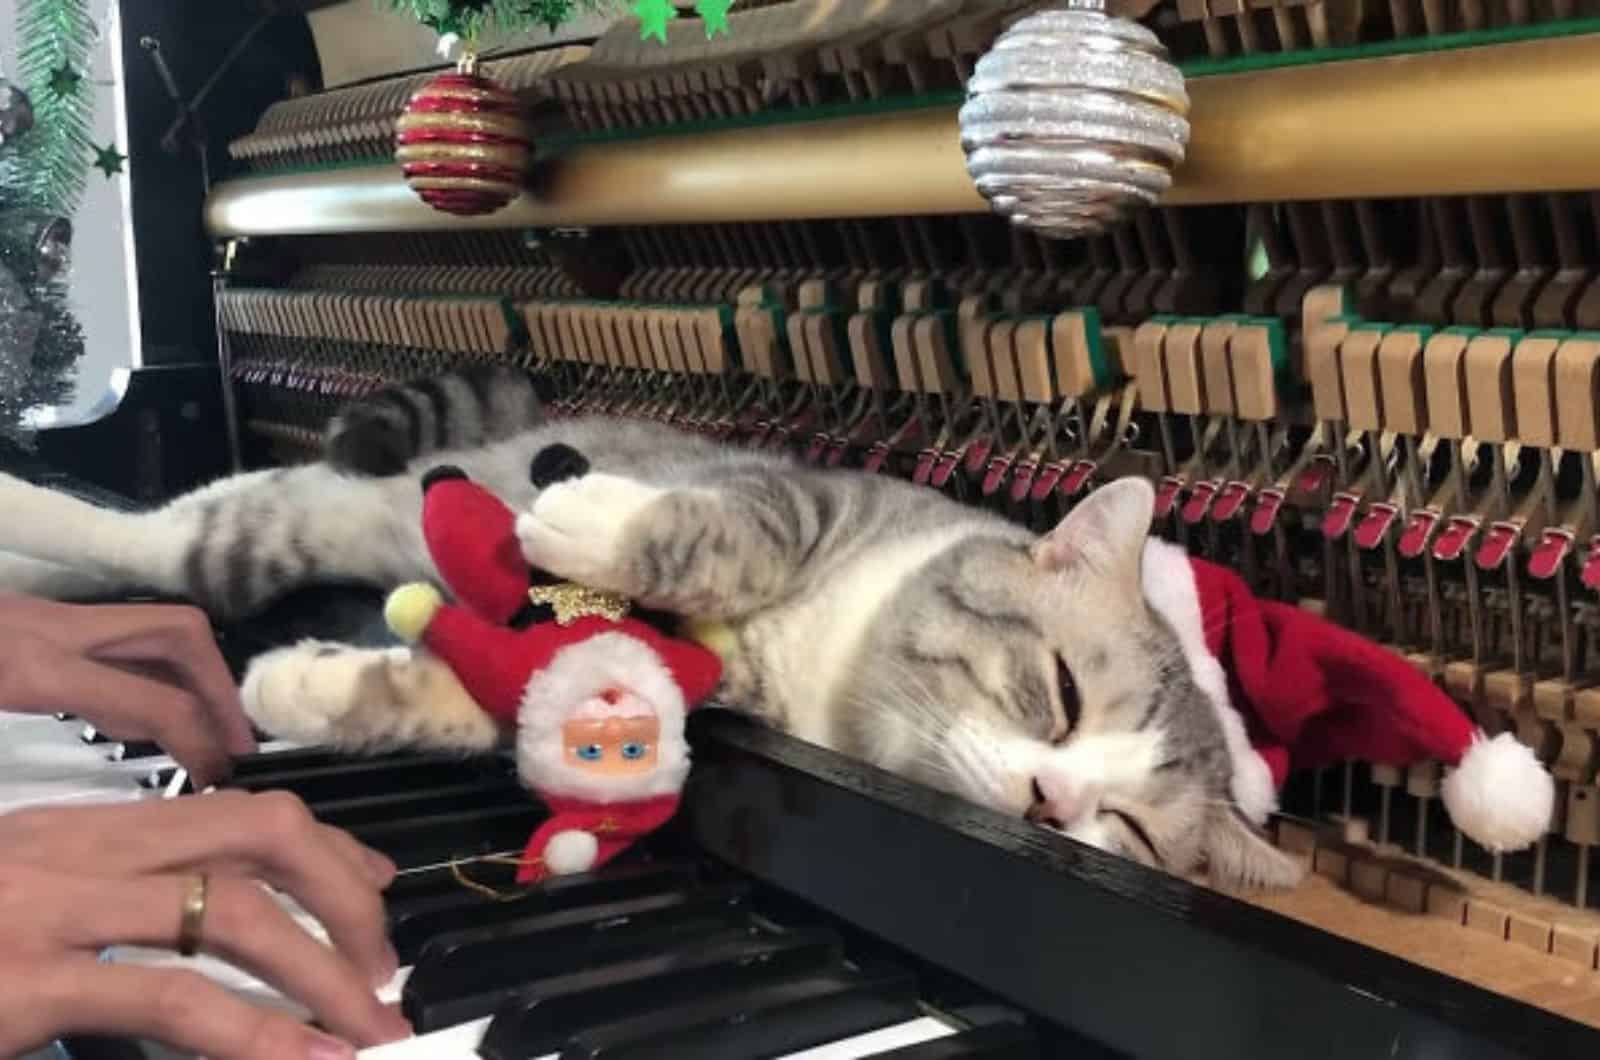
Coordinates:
(136,671)
(78,879)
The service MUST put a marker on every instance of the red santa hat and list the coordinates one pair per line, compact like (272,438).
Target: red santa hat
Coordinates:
(1295,690)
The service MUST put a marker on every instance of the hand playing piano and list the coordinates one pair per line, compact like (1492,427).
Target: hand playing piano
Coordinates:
(135,671)
(75,880)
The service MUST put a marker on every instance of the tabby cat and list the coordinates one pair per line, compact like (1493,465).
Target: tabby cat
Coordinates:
(1032,675)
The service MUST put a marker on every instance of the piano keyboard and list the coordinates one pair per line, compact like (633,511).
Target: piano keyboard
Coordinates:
(46,759)
(664,955)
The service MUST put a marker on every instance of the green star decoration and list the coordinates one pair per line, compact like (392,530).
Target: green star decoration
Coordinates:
(714,13)
(653,17)
(108,160)
(64,81)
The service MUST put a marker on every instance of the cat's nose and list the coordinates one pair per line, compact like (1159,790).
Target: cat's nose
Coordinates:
(1062,801)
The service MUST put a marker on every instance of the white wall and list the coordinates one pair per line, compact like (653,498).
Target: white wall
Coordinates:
(101,252)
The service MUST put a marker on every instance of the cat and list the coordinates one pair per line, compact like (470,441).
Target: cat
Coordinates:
(1029,674)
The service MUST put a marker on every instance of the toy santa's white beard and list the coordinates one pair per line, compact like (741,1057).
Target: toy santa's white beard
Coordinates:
(578,675)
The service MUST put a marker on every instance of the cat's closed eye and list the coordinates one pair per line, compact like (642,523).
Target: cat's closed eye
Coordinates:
(1071,705)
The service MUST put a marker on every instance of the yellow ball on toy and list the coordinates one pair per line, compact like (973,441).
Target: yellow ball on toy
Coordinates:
(411,608)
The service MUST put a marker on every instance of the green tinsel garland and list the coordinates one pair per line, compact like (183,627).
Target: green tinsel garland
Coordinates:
(471,19)
(43,174)
(50,166)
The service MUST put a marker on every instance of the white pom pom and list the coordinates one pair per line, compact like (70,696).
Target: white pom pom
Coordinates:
(1501,795)
(570,852)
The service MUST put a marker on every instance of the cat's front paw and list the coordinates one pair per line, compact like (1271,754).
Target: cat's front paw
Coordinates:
(578,529)
(302,693)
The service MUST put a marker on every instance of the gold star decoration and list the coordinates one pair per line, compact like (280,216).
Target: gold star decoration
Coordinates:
(572,602)
(653,17)
(108,160)
(64,81)
(714,13)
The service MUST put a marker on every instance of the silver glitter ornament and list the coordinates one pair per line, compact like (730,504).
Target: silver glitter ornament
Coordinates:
(1074,118)
(53,249)
(20,325)
(35,244)
(16,112)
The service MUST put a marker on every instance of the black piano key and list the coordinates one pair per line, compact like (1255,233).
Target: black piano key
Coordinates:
(459,965)
(133,750)
(437,839)
(537,1019)
(425,883)
(98,1047)
(376,809)
(364,778)
(413,922)
(158,779)
(263,762)
(785,1017)
(91,735)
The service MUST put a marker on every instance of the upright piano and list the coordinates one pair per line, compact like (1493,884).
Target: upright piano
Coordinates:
(1356,347)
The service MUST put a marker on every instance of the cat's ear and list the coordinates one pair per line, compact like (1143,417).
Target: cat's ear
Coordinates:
(1107,531)
(1239,858)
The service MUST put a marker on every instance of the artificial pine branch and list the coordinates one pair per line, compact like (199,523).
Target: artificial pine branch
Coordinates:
(49,167)
(471,19)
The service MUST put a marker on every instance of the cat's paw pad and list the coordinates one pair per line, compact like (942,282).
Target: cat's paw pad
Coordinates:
(301,693)
(576,528)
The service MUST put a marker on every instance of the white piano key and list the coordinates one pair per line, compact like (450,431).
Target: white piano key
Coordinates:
(461,1043)
(45,761)
(914,1032)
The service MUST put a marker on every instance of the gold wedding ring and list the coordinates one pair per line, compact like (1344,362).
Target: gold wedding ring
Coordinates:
(194,913)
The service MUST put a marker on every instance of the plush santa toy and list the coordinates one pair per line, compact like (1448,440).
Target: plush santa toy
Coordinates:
(597,696)
(1294,690)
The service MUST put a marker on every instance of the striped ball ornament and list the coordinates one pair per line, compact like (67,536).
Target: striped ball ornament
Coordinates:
(464,144)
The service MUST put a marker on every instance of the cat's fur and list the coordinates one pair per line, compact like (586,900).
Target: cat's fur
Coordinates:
(872,616)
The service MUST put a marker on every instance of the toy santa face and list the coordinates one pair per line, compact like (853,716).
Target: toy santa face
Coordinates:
(603,720)
(616,735)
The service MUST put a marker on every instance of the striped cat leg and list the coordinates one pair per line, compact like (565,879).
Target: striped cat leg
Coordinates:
(364,699)
(50,581)
(712,552)
(50,531)
(233,546)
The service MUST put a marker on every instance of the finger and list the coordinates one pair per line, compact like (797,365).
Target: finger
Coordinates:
(375,866)
(171,716)
(176,635)
(295,854)
(48,678)
(243,926)
(185,1012)
(271,836)
(182,638)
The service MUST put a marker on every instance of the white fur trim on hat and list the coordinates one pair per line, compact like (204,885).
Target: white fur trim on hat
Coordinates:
(1500,795)
(571,852)
(1169,588)
(577,673)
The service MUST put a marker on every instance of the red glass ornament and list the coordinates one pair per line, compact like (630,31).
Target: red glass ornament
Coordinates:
(464,144)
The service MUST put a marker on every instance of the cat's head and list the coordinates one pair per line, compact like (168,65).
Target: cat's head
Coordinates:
(1035,677)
